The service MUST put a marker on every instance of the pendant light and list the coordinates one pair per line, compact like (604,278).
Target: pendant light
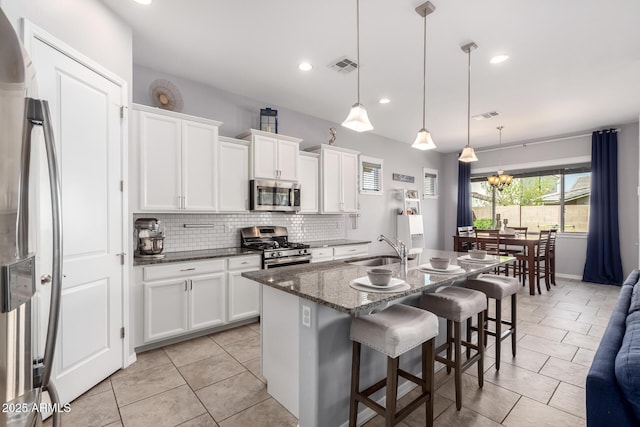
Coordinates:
(468,155)
(358,119)
(500,180)
(423,140)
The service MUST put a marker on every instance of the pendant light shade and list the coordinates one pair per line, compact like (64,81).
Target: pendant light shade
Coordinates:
(358,119)
(468,155)
(423,140)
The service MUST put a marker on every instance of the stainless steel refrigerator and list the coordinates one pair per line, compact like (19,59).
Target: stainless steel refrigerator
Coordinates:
(24,375)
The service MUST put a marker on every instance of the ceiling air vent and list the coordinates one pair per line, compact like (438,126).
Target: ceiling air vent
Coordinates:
(489,115)
(343,65)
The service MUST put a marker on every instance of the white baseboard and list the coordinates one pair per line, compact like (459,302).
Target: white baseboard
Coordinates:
(132,359)
(569,276)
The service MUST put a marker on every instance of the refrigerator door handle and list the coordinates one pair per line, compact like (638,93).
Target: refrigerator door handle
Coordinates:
(38,114)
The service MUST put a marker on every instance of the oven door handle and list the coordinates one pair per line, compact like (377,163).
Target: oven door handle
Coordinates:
(279,261)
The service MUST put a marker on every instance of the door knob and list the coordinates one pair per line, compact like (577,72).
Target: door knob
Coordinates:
(45,278)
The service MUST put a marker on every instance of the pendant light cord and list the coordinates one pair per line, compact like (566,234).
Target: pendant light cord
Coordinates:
(424,77)
(358,44)
(469,101)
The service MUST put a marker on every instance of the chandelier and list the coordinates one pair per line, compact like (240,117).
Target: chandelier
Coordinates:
(500,180)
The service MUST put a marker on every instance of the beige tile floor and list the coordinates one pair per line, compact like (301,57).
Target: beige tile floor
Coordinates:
(215,381)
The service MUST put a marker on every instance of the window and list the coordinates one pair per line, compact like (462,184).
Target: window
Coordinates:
(370,175)
(539,200)
(430,183)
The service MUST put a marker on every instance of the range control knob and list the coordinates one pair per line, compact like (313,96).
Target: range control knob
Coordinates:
(279,253)
(302,251)
(273,255)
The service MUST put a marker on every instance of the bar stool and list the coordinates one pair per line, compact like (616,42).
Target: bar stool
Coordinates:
(456,305)
(394,331)
(497,288)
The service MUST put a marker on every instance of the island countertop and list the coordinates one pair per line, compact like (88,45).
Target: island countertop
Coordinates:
(327,283)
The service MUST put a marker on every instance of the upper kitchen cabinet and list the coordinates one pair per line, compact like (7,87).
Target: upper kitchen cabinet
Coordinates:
(338,179)
(272,156)
(177,154)
(233,175)
(308,175)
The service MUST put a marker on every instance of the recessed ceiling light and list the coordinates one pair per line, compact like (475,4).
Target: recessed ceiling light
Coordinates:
(305,66)
(499,58)
(384,100)
(144,2)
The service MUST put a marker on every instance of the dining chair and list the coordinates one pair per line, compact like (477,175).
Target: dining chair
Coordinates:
(551,257)
(541,264)
(466,231)
(518,252)
(489,240)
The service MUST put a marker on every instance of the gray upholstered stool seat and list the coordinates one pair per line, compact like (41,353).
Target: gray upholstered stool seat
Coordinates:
(393,332)
(453,303)
(497,288)
(456,305)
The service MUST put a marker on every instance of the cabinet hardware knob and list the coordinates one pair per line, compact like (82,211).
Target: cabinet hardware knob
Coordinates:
(45,278)
(188,269)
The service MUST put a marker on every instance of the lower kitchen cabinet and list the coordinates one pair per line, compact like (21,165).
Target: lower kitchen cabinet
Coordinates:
(165,309)
(207,301)
(338,252)
(178,298)
(244,294)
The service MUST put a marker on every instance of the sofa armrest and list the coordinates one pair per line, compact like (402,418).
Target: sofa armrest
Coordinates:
(606,404)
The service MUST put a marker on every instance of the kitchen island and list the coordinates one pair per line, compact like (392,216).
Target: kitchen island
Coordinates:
(306,317)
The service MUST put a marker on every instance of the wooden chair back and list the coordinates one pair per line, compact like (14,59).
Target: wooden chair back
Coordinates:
(551,246)
(490,241)
(543,243)
(521,230)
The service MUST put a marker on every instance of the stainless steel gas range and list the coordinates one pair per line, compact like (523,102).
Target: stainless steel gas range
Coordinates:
(273,241)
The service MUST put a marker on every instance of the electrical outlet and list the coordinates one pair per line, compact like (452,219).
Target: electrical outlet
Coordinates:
(306,316)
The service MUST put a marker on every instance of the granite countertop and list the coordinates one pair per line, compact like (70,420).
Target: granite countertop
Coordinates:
(196,255)
(327,283)
(337,242)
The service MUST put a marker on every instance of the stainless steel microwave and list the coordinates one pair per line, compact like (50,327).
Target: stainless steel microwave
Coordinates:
(280,196)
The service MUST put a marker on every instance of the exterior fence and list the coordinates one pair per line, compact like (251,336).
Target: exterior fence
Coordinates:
(576,217)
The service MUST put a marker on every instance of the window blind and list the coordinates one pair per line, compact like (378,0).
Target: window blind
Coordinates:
(430,187)
(371,176)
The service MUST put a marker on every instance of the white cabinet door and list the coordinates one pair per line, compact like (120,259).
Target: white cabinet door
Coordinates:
(165,309)
(288,160)
(244,296)
(160,158)
(349,165)
(207,301)
(331,181)
(233,170)
(308,178)
(265,159)
(321,254)
(199,154)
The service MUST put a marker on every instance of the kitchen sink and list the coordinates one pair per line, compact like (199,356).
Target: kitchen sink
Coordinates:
(377,261)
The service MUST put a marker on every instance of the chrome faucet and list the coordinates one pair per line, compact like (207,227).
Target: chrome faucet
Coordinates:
(399,247)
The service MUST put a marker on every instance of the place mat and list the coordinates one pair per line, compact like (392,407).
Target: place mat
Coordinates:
(364,284)
(451,269)
(467,258)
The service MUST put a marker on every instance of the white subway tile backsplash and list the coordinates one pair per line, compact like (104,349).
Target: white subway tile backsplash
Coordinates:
(224,231)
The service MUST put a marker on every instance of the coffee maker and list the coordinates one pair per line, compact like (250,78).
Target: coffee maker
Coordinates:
(149,235)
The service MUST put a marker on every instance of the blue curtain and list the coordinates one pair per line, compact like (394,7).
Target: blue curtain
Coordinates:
(465,216)
(603,263)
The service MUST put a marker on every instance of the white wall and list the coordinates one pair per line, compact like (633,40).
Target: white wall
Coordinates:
(571,248)
(240,113)
(88,26)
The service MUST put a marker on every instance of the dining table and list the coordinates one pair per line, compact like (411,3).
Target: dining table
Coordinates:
(528,243)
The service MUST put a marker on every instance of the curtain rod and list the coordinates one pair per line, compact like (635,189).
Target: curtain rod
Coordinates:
(525,144)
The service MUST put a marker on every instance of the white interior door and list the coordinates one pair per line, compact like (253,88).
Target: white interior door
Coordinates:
(88,132)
